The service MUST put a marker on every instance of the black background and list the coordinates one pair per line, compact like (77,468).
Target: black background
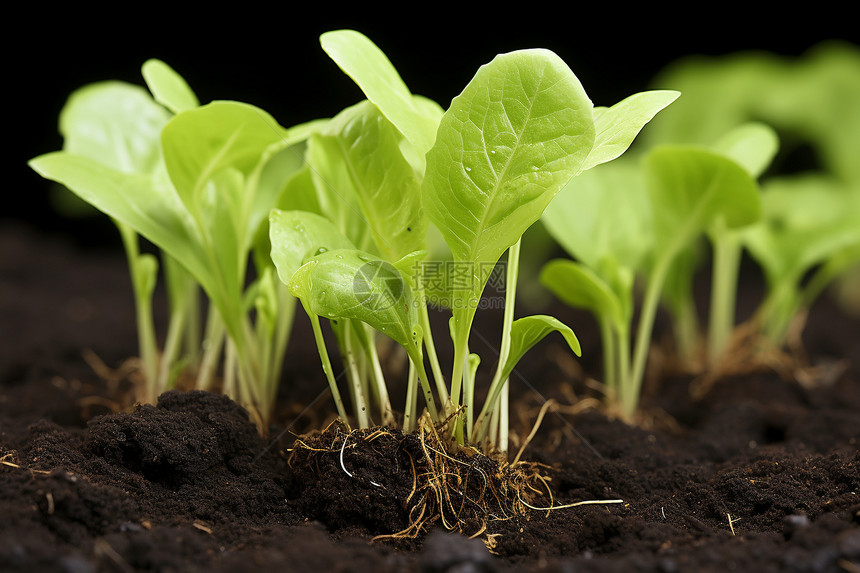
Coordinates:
(271,57)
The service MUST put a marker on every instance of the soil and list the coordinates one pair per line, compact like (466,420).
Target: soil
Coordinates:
(757,471)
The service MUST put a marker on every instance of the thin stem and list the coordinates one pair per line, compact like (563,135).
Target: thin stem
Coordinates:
(142,287)
(430,347)
(493,396)
(359,400)
(326,364)
(410,410)
(213,341)
(631,387)
(727,256)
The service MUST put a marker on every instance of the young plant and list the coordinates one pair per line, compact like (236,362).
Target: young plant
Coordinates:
(198,185)
(809,236)
(690,190)
(507,144)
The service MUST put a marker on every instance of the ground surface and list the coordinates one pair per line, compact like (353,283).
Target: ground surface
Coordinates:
(757,473)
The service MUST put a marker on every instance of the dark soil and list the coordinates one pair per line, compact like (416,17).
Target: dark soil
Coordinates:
(758,473)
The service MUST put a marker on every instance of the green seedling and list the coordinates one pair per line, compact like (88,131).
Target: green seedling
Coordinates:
(479,174)
(198,182)
(809,235)
(813,104)
(642,221)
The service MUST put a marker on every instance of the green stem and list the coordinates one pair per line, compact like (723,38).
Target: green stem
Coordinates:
(142,287)
(631,387)
(511,277)
(430,347)
(610,357)
(326,363)
(213,342)
(410,410)
(727,256)
(359,400)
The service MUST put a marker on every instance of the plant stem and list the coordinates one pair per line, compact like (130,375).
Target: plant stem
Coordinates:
(629,390)
(410,410)
(430,346)
(326,364)
(493,396)
(143,283)
(727,256)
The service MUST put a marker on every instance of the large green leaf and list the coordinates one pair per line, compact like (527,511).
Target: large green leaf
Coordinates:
(201,142)
(416,118)
(515,136)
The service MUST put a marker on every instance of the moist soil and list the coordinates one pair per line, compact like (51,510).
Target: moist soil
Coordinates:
(757,470)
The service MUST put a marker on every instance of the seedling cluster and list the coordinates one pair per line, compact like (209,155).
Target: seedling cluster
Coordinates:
(349,216)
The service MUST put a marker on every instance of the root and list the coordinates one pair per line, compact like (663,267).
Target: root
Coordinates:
(441,483)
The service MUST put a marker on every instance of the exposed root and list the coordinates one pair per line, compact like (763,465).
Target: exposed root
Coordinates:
(439,483)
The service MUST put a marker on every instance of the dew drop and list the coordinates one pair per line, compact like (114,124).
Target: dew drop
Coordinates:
(468,169)
(338,256)
(534,167)
(492,152)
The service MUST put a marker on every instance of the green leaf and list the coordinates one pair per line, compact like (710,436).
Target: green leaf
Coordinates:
(528,331)
(168,87)
(369,67)
(578,286)
(115,124)
(148,205)
(604,215)
(203,141)
(691,187)
(616,127)
(363,160)
(515,136)
(807,219)
(752,145)
(295,235)
(348,283)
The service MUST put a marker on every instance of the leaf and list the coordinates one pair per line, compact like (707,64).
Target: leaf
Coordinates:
(603,214)
(168,87)
(528,331)
(515,136)
(752,145)
(361,149)
(373,72)
(116,124)
(807,219)
(348,283)
(147,204)
(296,234)
(578,286)
(200,142)
(616,127)
(690,187)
